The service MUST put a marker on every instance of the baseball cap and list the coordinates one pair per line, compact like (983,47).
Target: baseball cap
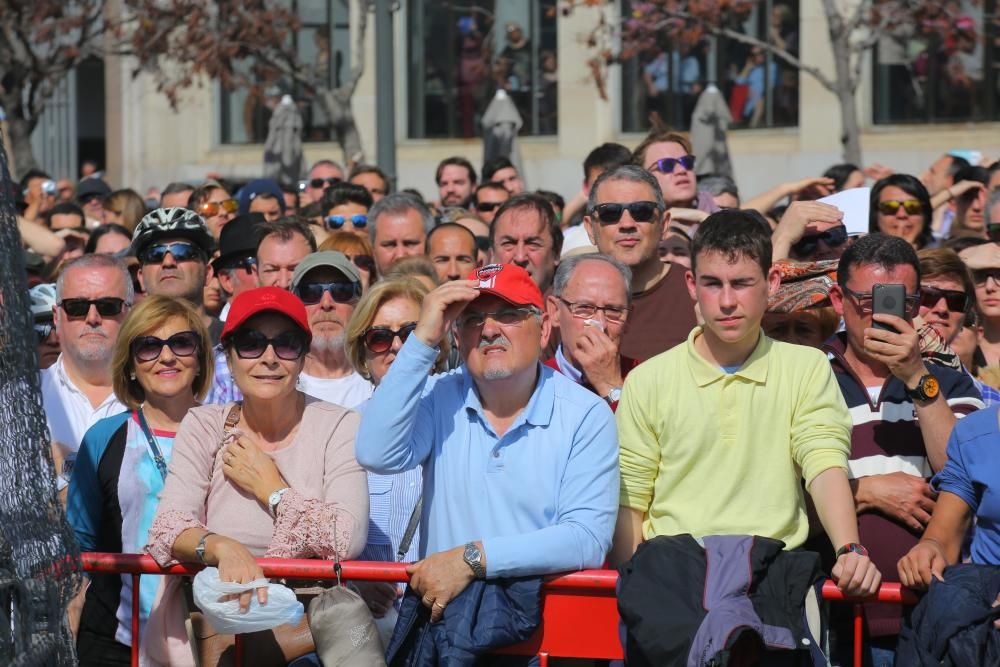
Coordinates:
(327,258)
(92,186)
(238,239)
(262,300)
(509,282)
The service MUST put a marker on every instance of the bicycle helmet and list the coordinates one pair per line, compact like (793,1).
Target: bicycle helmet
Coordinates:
(43,298)
(172,223)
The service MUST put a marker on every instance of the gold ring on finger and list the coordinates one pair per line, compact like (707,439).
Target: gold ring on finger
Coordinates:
(438,604)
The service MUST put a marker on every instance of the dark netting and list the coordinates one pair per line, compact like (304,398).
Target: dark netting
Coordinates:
(39,558)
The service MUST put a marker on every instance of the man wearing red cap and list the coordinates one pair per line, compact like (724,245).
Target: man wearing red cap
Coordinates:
(520,463)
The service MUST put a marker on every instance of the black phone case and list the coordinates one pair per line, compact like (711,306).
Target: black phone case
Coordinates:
(889,299)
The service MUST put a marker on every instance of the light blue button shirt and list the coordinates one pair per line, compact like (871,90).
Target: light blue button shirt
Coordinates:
(543,498)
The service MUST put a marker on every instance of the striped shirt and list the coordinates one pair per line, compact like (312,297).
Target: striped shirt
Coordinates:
(223,389)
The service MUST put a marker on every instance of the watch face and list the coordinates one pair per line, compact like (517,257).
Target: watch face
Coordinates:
(930,386)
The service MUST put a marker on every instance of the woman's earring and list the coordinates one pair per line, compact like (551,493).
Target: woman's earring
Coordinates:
(131,376)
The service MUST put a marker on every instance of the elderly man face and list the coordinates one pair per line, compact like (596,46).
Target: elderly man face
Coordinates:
(328,317)
(398,235)
(89,338)
(326,173)
(593,283)
(498,340)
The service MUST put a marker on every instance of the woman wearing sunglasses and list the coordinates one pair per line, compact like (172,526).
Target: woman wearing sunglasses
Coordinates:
(358,250)
(273,475)
(900,206)
(161,367)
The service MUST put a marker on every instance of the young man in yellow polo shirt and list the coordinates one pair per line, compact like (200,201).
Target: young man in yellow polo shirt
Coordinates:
(718,434)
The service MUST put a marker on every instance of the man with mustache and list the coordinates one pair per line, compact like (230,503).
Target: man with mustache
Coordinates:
(329,285)
(520,463)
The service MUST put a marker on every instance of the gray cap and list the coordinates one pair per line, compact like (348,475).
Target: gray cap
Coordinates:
(327,258)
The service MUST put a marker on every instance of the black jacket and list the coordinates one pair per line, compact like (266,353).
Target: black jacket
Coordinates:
(953,624)
(685,603)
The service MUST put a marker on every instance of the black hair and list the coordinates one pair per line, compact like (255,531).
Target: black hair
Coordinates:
(960,243)
(606,157)
(736,234)
(532,202)
(912,186)
(487,185)
(495,165)
(346,193)
(458,162)
(104,230)
(65,208)
(372,169)
(879,249)
(973,173)
(554,198)
(840,173)
(32,174)
(451,225)
(956,165)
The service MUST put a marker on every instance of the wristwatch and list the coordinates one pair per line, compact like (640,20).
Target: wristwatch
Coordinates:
(200,549)
(927,389)
(853,547)
(614,395)
(473,557)
(274,499)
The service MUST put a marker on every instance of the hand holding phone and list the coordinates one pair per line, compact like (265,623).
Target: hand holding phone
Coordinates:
(888,299)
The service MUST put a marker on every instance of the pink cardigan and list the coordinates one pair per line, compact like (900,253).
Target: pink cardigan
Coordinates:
(326,510)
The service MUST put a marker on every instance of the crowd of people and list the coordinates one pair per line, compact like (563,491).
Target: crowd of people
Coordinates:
(502,384)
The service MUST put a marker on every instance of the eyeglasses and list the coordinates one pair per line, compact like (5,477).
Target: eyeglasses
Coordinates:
(955,300)
(890,206)
(148,348)
(641,211)
(106,306)
(363,262)
(487,206)
(212,208)
(981,276)
(43,330)
(379,339)
(245,263)
(321,182)
(586,311)
(506,317)
(667,164)
(864,300)
(833,237)
(181,252)
(340,292)
(251,344)
(337,221)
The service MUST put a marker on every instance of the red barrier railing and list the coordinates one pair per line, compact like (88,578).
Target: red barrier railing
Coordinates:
(579,610)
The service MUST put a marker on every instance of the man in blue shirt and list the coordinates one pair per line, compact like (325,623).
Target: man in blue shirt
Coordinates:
(520,463)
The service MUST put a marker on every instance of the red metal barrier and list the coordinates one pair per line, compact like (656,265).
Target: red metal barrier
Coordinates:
(579,610)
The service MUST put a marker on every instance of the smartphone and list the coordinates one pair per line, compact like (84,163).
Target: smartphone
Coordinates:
(889,299)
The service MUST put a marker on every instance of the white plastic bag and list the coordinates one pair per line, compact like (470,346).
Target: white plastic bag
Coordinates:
(282,606)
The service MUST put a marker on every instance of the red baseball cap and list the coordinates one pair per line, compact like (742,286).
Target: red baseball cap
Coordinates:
(266,299)
(509,282)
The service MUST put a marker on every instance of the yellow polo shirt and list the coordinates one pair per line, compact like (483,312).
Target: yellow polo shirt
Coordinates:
(711,453)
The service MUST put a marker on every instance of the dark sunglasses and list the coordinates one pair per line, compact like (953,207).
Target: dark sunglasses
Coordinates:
(321,182)
(488,206)
(251,344)
(980,276)
(363,262)
(667,164)
(337,221)
(245,263)
(890,206)
(379,339)
(641,211)
(106,306)
(43,330)
(341,292)
(181,252)
(211,208)
(833,237)
(956,301)
(865,301)
(148,348)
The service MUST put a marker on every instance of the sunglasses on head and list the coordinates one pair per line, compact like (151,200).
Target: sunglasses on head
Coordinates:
(955,300)
(149,348)
(251,344)
(323,182)
(666,165)
(833,237)
(340,292)
(890,206)
(363,262)
(106,306)
(43,330)
(181,252)
(487,206)
(379,339)
(640,211)
(337,221)
(211,208)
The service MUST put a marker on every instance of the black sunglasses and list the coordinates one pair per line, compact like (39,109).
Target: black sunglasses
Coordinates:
(487,206)
(106,306)
(667,164)
(251,344)
(341,292)
(980,276)
(320,182)
(148,348)
(955,300)
(833,237)
(43,330)
(245,263)
(181,252)
(379,339)
(641,211)
(363,262)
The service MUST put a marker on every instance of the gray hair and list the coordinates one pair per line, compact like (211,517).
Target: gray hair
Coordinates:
(627,172)
(398,203)
(991,202)
(717,185)
(327,163)
(568,265)
(96,261)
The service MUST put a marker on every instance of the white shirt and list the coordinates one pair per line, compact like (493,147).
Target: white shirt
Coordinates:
(68,411)
(349,391)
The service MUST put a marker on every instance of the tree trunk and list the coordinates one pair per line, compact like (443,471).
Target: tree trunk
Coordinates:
(337,105)
(23,157)
(844,83)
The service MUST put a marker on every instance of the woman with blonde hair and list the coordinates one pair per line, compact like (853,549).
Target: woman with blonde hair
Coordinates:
(358,250)
(161,367)
(125,208)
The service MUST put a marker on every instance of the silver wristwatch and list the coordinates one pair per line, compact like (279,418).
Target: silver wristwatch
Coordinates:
(614,395)
(274,499)
(473,557)
(199,550)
